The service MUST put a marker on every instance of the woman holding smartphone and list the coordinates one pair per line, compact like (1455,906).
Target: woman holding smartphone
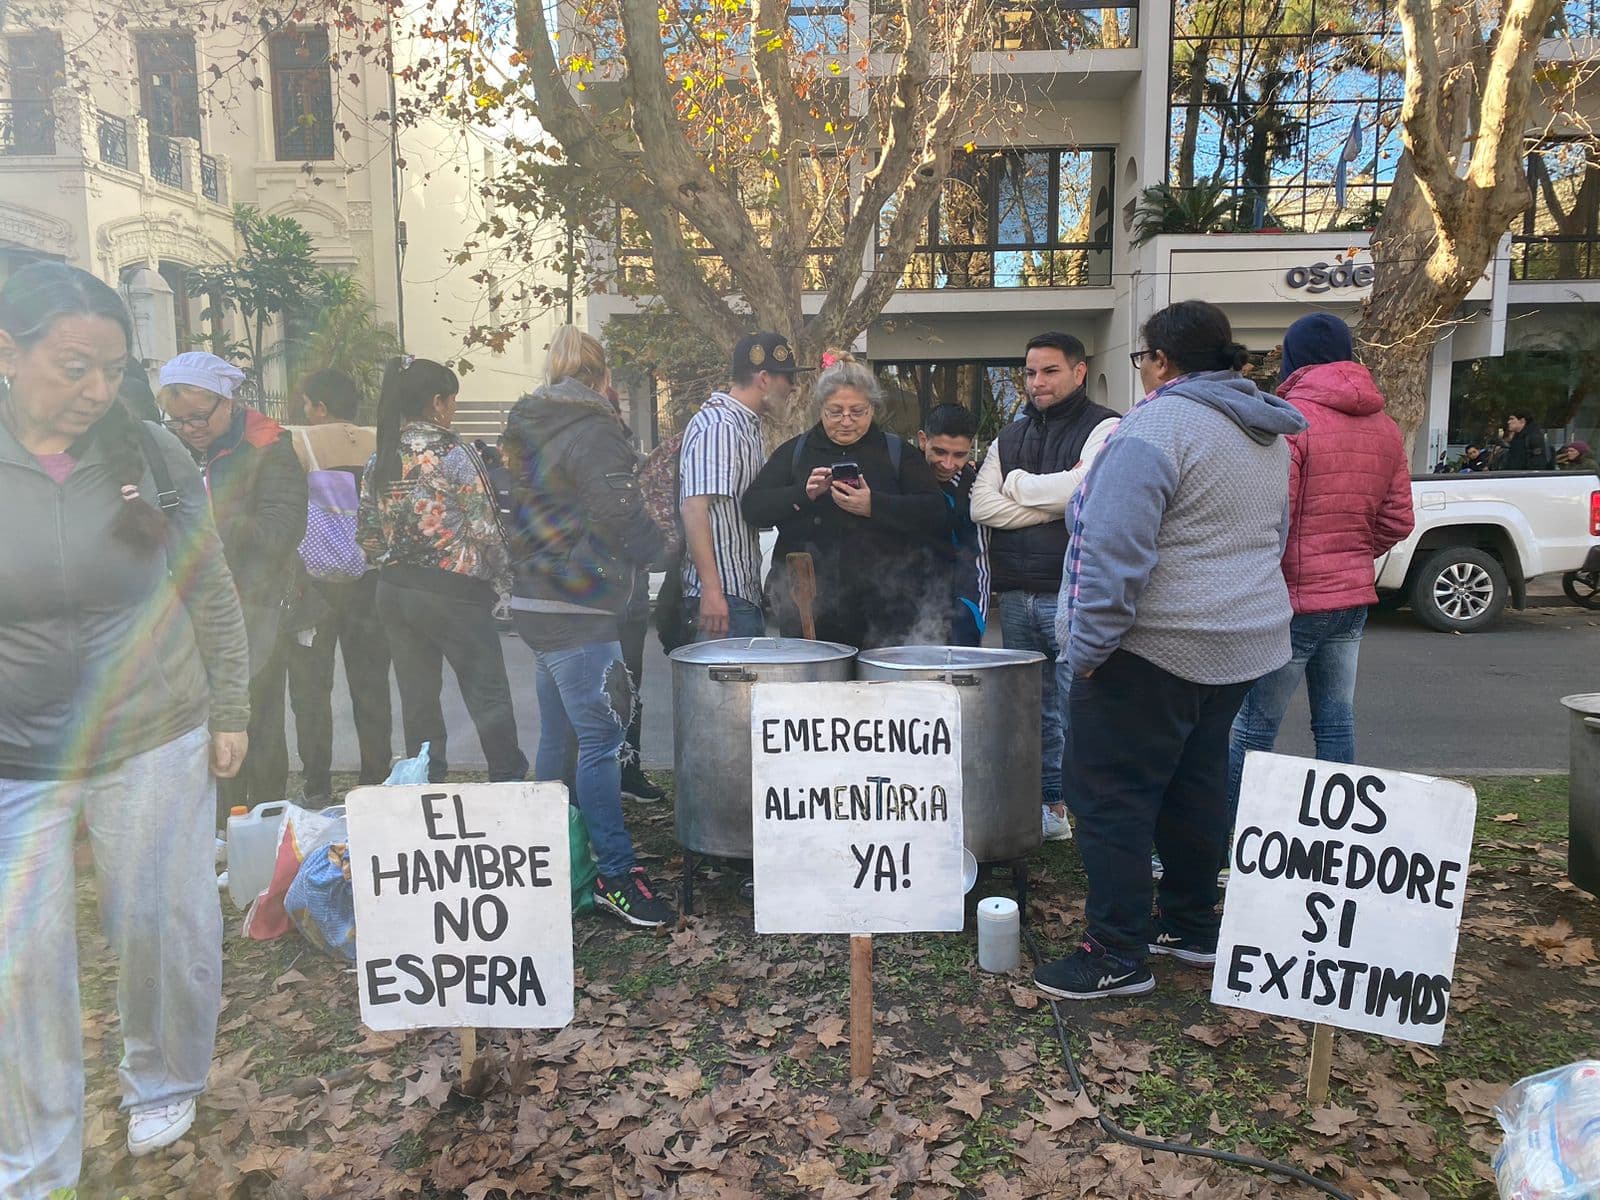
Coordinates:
(867,508)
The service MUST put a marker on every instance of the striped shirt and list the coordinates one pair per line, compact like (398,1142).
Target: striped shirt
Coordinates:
(722,452)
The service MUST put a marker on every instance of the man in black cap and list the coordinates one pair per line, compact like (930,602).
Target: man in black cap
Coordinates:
(721,453)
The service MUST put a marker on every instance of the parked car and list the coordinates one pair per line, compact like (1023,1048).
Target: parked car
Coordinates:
(1482,538)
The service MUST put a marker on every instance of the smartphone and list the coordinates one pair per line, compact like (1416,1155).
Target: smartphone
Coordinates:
(847,472)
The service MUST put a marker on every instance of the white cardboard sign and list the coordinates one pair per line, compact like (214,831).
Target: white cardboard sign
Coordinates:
(463,899)
(856,807)
(1344,903)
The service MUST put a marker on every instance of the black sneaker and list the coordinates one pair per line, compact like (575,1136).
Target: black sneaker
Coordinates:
(1185,949)
(636,785)
(633,898)
(1093,974)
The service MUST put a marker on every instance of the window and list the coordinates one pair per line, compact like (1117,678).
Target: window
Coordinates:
(36,68)
(991,388)
(1560,234)
(1018,218)
(1293,111)
(168,91)
(302,95)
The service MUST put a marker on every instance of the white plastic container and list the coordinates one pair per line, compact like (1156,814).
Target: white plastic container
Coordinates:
(999,934)
(253,850)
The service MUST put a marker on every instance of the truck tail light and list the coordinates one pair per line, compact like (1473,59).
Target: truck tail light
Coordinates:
(1594,514)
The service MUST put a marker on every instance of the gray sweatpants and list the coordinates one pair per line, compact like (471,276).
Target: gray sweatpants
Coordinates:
(150,823)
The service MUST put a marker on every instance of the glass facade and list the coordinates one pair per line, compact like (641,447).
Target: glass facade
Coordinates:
(1292,110)
(1559,237)
(1018,218)
(992,388)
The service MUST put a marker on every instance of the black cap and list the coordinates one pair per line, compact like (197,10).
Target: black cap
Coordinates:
(765,352)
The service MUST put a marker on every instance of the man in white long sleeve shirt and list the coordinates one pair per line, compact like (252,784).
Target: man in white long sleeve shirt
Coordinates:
(1022,493)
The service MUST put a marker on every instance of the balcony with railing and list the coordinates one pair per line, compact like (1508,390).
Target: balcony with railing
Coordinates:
(1559,238)
(69,130)
(27,128)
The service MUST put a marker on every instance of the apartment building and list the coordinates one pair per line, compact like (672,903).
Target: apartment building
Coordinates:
(1290,120)
(123,151)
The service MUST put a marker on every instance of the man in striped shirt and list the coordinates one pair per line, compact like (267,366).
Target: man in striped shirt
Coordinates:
(721,453)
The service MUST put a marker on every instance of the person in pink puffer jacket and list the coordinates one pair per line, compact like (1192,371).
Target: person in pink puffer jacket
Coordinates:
(1349,502)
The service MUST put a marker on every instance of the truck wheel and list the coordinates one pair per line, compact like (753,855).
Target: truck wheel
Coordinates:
(1459,590)
(1582,588)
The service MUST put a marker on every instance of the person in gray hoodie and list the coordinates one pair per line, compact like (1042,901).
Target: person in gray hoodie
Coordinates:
(1173,604)
(122,651)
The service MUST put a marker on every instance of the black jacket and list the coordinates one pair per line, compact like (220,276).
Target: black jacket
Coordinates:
(258,493)
(582,533)
(872,572)
(1043,442)
(1528,450)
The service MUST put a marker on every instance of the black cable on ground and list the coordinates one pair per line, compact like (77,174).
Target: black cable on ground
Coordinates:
(1120,1134)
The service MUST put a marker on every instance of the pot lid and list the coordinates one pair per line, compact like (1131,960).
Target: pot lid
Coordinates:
(1587,703)
(964,658)
(734,651)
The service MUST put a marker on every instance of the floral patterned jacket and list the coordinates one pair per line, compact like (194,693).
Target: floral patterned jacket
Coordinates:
(438,512)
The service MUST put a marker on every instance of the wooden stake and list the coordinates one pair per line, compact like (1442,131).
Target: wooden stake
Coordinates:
(469,1052)
(860,1005)
(1321,1061)
(803,590)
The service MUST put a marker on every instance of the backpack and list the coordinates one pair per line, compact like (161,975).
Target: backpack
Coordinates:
(329,550)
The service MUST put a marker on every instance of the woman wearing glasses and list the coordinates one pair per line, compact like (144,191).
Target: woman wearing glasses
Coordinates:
(866,507)
(258,495)
(124,665)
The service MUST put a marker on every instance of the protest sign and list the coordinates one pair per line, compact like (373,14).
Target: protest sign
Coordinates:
(1344,902)
(856,795)
(463,904)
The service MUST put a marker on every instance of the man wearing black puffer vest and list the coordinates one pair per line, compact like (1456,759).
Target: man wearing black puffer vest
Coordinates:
(1022,494)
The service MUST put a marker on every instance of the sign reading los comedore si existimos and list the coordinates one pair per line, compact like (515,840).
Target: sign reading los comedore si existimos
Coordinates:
(463,901)
(856,807)
(1344,903)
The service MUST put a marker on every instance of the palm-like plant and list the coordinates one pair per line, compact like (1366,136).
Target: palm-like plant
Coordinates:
(347,336)
(1162,208)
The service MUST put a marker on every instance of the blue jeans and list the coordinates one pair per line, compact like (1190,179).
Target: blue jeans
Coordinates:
(1028,622)
(1326,647)
(745,620)
(585,693)
(150,826)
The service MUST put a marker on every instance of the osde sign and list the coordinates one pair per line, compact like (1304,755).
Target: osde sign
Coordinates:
(1324,277)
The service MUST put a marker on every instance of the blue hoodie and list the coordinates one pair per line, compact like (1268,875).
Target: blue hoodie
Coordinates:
(1183,520)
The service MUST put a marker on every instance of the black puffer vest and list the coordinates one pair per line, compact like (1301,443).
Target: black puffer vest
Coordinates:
(1044,442)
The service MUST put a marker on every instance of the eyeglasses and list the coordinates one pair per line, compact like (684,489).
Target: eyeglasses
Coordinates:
(178,424)
(854,414)
(1137,358)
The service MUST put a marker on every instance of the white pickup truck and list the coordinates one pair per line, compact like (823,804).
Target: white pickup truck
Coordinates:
(1482,538)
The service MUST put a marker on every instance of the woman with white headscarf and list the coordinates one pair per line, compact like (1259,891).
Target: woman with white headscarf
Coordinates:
(258,495)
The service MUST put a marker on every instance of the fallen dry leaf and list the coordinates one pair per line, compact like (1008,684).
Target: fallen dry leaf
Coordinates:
(1331,1119)
(966,1096)
(1507,818)
(829,1031)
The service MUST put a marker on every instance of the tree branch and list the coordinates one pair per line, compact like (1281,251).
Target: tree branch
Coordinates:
(1496,164)
(790,231)
(1419,108)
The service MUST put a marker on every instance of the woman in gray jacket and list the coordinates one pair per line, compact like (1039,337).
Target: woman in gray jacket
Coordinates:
(122,653)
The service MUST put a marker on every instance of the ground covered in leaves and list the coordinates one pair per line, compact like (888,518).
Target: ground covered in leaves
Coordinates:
(707,1062)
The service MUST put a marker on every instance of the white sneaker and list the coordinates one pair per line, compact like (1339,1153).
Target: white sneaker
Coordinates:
(152,1128)
(1056,829)
(222,882)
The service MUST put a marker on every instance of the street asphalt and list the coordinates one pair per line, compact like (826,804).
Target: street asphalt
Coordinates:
(1435,703)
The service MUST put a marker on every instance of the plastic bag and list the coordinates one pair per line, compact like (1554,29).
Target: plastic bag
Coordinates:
(1552,1145)
(305,831)
(410,772)
(322,903)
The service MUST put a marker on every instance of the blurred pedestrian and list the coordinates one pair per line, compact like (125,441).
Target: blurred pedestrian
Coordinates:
(126,694)
(584,546)
(429,524)
(258,497)
(1576,456)
(947,440)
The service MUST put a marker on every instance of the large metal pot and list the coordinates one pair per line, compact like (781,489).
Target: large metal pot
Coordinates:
(999,692)
(711,728)
(1583,790)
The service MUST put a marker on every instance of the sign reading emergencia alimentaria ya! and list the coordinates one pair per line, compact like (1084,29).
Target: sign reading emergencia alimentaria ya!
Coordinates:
(1344,903)
(856,807)
(463,901)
